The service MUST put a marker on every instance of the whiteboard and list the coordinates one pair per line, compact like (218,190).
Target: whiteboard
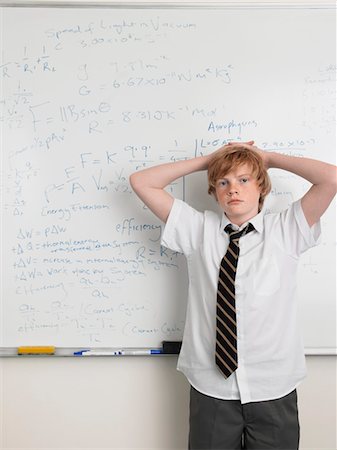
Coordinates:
(88,96)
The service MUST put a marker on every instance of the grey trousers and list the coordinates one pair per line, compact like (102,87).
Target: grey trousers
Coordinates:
(217,424)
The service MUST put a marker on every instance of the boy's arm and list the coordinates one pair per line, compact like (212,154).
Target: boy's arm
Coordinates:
(323,177)
(149,183)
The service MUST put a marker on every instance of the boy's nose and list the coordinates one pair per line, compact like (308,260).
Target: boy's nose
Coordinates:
(232,190)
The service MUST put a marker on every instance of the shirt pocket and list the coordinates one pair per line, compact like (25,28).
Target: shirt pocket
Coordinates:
(266,276)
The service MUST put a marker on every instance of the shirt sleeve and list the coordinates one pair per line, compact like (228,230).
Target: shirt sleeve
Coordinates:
(184,228)
(296,234)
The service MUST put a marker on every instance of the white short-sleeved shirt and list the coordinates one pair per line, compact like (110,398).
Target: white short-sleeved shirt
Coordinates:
(271,359)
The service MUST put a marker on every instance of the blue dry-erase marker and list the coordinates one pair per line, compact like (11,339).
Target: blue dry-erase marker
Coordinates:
(136,352)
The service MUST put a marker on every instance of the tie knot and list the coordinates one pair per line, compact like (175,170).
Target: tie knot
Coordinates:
(235,234)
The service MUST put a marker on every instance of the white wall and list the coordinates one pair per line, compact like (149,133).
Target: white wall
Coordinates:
(128,403)
(117,403)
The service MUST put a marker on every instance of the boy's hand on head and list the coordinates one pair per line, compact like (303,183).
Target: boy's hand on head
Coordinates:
(244,144)
(250,144)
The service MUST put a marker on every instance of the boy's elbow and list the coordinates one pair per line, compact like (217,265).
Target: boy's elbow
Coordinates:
(329,181)
(335,180)
(332,181)
(137,182)
(133,180)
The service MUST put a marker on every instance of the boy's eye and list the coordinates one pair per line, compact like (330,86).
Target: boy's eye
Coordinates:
(244,180)
(222,183)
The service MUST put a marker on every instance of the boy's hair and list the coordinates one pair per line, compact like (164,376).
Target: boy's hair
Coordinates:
(230,158)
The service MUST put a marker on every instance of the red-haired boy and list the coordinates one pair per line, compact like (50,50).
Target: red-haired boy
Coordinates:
(244,357)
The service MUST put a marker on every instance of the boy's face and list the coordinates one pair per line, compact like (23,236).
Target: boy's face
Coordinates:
(238,194)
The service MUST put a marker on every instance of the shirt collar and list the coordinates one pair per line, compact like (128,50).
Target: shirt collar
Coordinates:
(257,221)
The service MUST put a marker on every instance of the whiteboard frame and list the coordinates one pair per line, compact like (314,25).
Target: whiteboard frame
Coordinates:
(10,352)
(164,5)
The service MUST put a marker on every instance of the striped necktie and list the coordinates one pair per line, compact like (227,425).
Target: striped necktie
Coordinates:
(226,356)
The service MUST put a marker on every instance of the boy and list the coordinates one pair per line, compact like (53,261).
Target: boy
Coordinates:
(242,352)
